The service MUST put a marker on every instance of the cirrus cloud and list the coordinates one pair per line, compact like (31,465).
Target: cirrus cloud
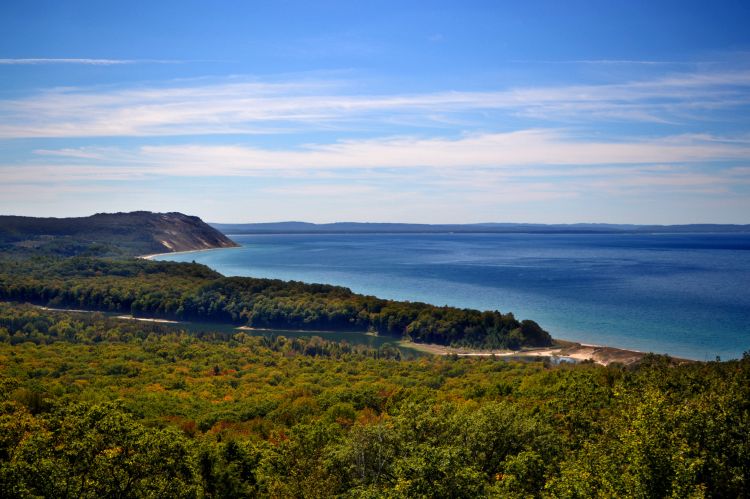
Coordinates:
(254,107)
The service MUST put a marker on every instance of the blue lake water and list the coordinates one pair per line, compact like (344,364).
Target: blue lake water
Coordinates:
(687,295)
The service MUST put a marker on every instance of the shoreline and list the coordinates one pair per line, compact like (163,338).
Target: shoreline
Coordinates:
(311,331)
(146,319)
(154,255)
(602,355)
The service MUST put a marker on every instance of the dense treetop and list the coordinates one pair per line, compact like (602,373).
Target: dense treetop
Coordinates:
(92,407)
(194,292)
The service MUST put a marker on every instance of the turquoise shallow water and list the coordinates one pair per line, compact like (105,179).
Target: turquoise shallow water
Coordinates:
(687,295)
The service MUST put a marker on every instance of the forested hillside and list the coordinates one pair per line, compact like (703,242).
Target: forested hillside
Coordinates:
(95,407)
(109,234)
(92,406)
(194,292)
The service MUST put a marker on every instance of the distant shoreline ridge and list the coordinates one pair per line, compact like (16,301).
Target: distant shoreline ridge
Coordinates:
(481,228)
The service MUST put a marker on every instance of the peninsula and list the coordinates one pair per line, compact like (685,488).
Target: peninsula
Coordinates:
(87,263)
(109,234)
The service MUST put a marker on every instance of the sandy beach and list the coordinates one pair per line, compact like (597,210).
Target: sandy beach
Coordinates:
(154,255)
(145,319)
(265,329)
(579,351)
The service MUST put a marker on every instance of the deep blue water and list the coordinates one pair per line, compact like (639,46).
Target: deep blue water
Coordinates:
(687,295)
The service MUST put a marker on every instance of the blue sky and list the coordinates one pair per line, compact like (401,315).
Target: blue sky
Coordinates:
(437,112)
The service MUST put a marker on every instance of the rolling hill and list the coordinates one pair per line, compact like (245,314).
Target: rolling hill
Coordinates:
(116,234)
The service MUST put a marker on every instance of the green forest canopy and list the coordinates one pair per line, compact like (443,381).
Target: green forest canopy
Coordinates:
(95,407)
(194,292)
(92,406)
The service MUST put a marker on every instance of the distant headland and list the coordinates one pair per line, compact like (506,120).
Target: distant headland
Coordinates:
(493,228)
(123,234)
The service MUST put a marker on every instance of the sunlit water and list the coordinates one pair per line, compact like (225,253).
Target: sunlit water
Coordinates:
(686,295)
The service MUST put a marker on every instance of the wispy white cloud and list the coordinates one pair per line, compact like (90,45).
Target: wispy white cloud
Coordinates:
(609,62)
(232,107)
(84,61)
(81,152)
(324,190)
(498,150)
(470,166)
(537,164)
(401,178)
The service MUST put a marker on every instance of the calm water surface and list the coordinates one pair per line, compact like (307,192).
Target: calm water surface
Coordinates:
(686,295)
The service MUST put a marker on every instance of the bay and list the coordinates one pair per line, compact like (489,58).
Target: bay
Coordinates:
(681,294)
